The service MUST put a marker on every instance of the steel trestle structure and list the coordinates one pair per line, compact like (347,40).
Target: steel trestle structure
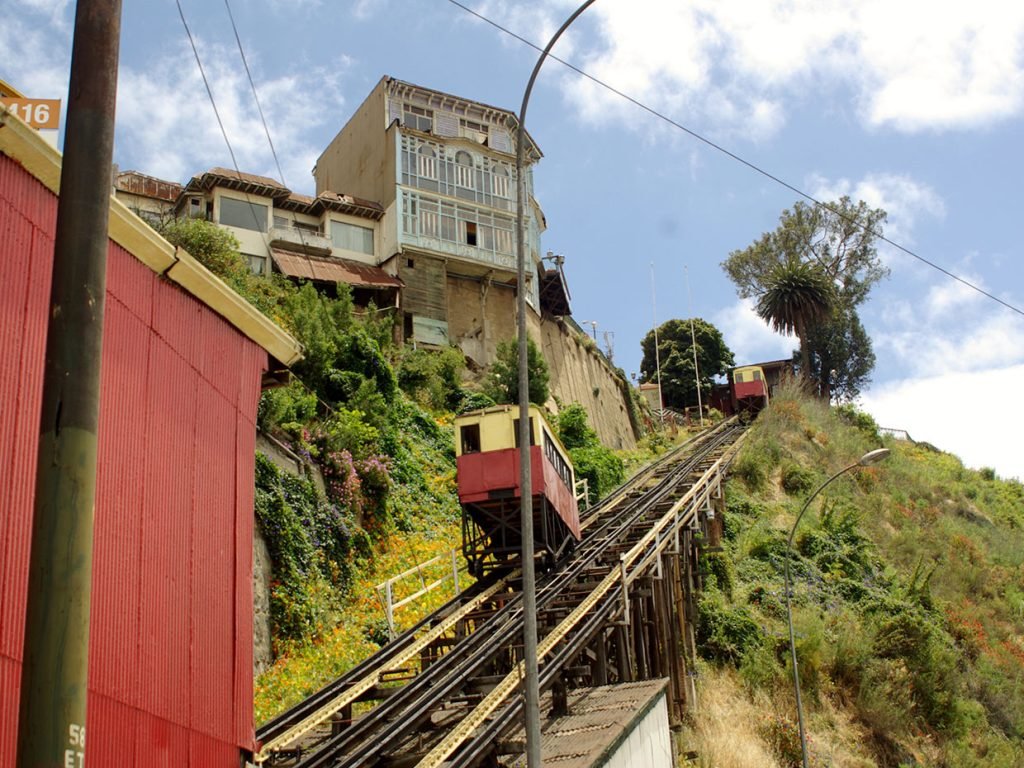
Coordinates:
(622,608)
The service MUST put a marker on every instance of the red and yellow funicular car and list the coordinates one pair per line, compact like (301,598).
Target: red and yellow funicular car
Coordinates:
(750,389)
(487,451)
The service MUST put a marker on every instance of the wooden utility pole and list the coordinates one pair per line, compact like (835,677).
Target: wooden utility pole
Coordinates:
(54,677)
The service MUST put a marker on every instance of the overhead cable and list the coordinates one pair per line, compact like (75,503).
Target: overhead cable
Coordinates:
(752,166)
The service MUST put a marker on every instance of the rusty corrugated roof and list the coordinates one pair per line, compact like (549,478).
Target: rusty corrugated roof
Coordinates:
(598,725)
(333,201)
(333,270)
(137,183)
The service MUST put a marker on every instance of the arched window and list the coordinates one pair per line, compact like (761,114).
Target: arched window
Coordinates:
(426,162)
(464,170)
(499,180)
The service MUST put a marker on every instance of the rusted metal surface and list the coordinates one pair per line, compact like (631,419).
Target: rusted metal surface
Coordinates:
(332,270)
(599,718)
(137,183)
(171,637)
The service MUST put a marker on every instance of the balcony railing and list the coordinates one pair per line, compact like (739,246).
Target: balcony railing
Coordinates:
(300,240)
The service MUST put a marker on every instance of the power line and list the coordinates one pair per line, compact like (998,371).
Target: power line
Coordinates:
(213,103)
(255,96)
(752,166)
(259,108)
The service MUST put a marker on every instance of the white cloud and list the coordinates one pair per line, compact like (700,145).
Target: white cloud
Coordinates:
(941,65)
(913,65)
(37,55)
(950,295)
(904,199)
(937,409)
(749,337)
(953,340)
(168,128)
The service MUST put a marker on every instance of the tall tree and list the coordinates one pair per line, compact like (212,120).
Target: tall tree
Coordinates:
(797,298)
(843,356)
(840,240)
(675,349)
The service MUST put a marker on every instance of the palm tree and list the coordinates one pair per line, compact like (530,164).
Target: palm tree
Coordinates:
(798,296)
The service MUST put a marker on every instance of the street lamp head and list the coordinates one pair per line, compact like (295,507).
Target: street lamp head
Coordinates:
(872,457)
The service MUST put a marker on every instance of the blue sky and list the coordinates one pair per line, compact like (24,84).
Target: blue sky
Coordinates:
(914,106)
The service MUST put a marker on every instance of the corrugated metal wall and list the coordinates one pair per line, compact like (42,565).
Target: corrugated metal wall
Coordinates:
(170,658)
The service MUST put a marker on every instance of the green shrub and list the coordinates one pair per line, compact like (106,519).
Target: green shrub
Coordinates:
(732,526)
(310,548)
(432,377)
(718,572)
(860,420)
(783,737)
(287,408)
(473,401)
(838,547)
(214,247)
(796,480)
(346,430)
(574,428)
(759,669)
(752,469)
(765,599)
(502,382)
(724,633)
(602,468)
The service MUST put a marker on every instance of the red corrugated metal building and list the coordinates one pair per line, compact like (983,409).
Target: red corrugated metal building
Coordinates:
(170,658)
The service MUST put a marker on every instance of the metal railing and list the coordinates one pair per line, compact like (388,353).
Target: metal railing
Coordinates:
(386,589)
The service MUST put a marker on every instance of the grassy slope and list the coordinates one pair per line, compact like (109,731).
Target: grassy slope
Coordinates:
(908,603)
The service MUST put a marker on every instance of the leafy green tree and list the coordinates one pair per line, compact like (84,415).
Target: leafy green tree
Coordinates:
(502,383)
(844,356)
(797,298)
(839,239)
(675,347)
(574,428)
(602,467)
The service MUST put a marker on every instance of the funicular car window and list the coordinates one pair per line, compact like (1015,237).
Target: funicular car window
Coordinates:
(470,434)
(533,438)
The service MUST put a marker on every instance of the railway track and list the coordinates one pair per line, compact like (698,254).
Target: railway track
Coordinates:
(445,690)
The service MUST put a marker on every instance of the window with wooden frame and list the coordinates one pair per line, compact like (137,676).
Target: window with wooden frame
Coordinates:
(419,118)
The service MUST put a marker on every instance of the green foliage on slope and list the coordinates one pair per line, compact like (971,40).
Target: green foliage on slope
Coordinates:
(601,467)
(908,591)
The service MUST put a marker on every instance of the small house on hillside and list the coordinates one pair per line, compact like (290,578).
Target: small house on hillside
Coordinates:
(184,359)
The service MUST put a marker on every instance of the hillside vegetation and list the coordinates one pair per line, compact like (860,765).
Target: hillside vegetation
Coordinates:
(375,420)
(908,604)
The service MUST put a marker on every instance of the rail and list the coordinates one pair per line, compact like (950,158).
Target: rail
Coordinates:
(462,645)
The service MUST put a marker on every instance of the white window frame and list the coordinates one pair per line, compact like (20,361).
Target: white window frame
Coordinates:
(499,181)
(465,173)
(418,118)
(426,162)
(360,234)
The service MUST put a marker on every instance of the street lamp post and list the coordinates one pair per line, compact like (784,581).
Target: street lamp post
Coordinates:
(532,677)
(868,458)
